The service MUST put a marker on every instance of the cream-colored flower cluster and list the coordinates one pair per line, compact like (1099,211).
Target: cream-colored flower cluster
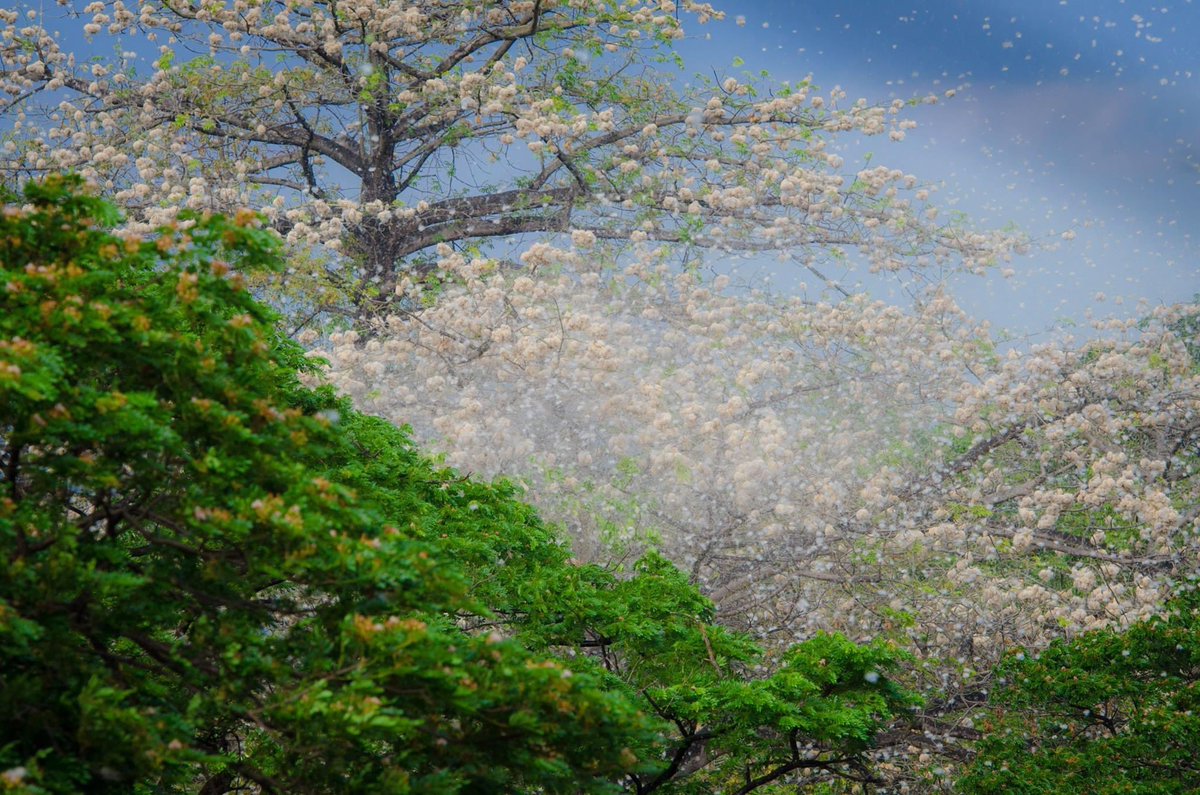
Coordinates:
(816,465)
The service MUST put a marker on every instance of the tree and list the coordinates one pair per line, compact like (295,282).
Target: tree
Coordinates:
(1106,712)
(217,579)
(851,467)
(385,131)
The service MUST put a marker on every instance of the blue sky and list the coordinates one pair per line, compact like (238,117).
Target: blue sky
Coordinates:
(1069,115)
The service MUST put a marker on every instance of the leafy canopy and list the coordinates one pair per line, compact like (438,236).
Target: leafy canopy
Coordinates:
(216,578)
(1108,712)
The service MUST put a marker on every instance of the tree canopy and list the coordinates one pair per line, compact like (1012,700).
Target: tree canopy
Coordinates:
(848,466)
(385,129)
(216,577)
(1107,712)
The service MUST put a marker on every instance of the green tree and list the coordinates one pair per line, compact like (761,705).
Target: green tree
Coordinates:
(217,579)
(1107,712)
(191,597)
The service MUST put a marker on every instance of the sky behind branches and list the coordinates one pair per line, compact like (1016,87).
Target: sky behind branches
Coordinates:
(1069,116)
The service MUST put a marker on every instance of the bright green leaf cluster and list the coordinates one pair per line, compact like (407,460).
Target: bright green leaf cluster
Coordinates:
(217,579)
(198,589)
(1107,712)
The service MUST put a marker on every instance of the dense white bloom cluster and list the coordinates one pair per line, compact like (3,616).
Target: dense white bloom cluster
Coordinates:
(812,464)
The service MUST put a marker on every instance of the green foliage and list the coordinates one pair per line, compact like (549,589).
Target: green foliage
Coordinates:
(208,578)
(216,578)
(1107,712)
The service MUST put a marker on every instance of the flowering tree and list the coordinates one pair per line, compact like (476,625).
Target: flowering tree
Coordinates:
(384,129)
(836,463)
(852,466)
